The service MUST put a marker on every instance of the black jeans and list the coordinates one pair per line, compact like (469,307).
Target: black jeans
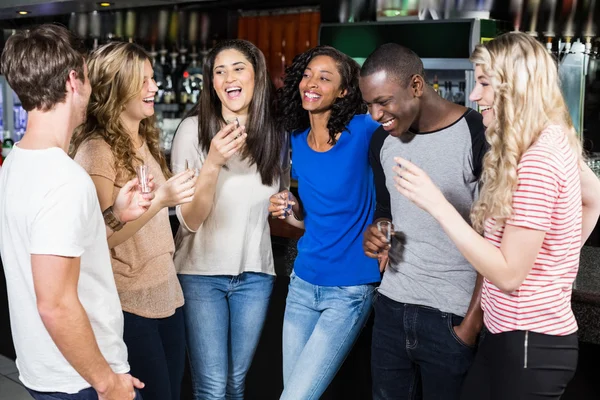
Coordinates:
(415,353)
(156,349)
(508,366)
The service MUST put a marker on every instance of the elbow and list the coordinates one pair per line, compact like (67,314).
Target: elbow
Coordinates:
(509,286)
(509,281)
(50,311)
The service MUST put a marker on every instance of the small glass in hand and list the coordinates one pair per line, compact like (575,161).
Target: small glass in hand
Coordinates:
(385,227)
(143,180)
(287,197)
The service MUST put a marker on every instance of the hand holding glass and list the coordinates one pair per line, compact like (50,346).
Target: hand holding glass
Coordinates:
(385,227)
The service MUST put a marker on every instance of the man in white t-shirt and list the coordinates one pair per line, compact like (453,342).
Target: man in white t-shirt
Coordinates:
(65,312)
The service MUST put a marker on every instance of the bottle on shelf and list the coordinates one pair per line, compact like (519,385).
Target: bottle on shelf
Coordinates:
(436,85)
(7,143)
(184,88)
(193,79)
(459,97)
(170,70)
(159,75)
(448,96)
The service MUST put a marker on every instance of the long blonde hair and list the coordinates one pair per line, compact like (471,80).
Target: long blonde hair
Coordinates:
(527,99)
(116,72)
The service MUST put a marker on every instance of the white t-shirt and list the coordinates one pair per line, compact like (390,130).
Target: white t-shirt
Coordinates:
(48,205)
(235,237)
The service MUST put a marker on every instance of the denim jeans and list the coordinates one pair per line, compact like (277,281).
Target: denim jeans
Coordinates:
(85,394)
(224,317)
(156,352)
(320,326)
(415,353)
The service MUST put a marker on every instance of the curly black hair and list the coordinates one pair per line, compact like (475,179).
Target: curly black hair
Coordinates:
(292,117)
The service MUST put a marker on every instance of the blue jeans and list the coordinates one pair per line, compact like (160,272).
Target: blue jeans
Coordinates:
(320,326)
(415,353)
(85,394)
(224,317)
(156,352)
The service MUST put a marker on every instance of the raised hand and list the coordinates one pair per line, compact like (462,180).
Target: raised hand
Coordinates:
(179,189)
(226,143)
(131,203)
(414,184)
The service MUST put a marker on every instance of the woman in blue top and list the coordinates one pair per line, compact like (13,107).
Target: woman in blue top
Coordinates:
(332,285)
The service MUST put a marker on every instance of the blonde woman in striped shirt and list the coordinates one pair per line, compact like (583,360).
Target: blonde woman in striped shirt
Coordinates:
(539,202)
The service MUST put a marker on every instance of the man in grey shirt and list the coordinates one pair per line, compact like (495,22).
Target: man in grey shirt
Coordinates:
(427,314)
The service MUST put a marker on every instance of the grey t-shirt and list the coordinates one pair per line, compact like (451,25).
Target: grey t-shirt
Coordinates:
(428,269)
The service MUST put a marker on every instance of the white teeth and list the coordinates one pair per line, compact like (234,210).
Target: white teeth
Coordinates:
(484,108)
(148,99)
(311,95)
(232,89)
(388,123)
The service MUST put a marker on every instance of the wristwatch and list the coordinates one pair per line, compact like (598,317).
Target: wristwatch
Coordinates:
(111,220)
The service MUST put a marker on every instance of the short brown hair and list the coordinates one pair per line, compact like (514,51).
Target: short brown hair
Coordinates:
(37,64)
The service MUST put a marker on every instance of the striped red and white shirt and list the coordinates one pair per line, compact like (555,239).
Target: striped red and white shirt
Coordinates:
(548,198)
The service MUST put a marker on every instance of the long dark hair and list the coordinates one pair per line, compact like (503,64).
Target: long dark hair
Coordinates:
(264,141)
(293,117)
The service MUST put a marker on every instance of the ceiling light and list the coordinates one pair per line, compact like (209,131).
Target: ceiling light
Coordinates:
(23,12)
(104,4)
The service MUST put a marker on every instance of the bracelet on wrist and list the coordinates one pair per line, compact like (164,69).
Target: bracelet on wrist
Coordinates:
(111,220)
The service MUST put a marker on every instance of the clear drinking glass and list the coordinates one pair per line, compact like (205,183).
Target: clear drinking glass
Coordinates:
(189,165)
(288,207)
(143,181)
(385,227)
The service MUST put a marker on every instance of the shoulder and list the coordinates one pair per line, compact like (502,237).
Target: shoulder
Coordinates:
(379,137)
(94,145)
(188,126)
(187,131)
(550,149)
(93,148)
(474,122)
(72,177)
(363,121)
(298,135)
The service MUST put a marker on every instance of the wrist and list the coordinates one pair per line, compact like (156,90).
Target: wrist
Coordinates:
(159,199)
(211,165)
(472,323)
(103,385)
(442,210)
(113,219)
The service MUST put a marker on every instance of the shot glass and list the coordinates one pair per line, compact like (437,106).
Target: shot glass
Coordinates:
(287,211)
(385,227)
(188,165)
(143,181)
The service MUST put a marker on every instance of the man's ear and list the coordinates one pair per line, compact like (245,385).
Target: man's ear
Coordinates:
(417,85)
(72,80)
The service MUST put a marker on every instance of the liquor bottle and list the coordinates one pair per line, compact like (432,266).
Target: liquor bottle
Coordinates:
(448,96)
(169,95)
(184,90)
(436,85)
(459,97)
(193,78)
(7,144)
(159,75)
